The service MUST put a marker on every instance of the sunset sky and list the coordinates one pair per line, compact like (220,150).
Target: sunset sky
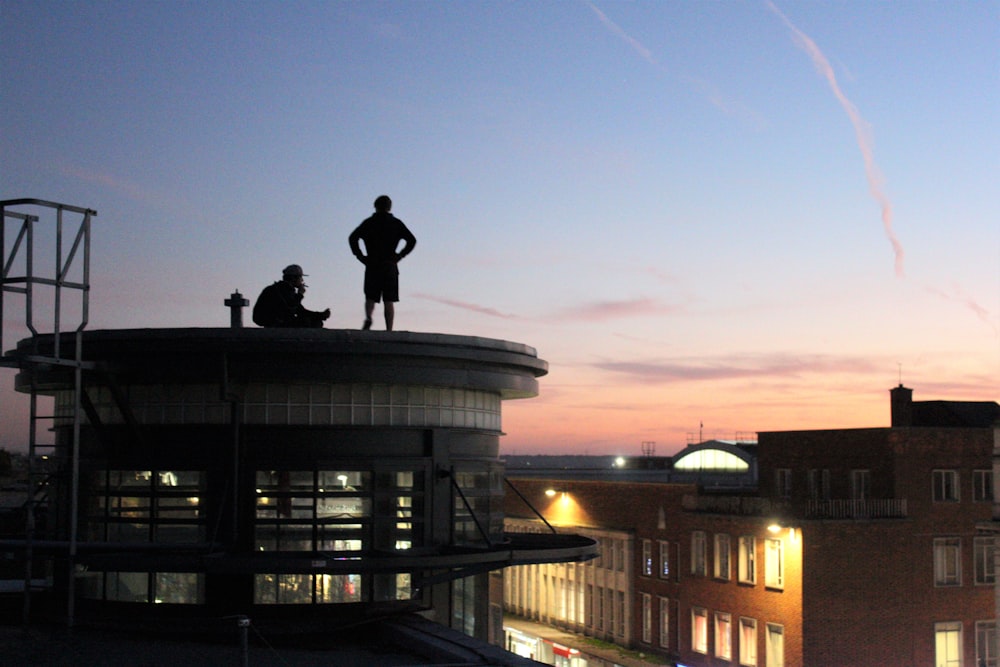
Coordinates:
(723,217)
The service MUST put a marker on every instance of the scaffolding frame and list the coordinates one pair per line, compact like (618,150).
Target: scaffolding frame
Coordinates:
(20,219)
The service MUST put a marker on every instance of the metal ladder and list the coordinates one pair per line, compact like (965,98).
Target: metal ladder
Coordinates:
(27,224)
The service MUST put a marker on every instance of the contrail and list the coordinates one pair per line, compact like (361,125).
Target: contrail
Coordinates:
(861,130)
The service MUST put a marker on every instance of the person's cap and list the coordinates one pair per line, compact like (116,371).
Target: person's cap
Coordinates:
(293,270)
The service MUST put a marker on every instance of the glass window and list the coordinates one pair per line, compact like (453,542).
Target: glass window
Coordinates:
(647,618)
(748,560)
(982,485)
(945,485)
(699,630)
(748,642)
(948,644)
(664,560)
(664,623)
(647,558)
(783,482)
(861,484)
(721,555)
(985,572)
(698,553)
(723,636)
(819,484)
(986,644)
(774,563)
(947,561)
(775,645)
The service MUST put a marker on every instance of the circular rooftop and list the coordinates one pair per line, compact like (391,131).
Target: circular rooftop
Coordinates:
(306,355)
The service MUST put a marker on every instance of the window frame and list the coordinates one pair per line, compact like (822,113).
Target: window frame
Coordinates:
(748,649)
(723,630)
(985,568)
(647,558)
(747,565)
(982,485)
(774,563)
(699,553)
(945,485)
(944,577)
(722,556)
(699,631)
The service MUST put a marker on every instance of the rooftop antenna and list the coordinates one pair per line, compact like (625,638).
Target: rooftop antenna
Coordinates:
(648,448)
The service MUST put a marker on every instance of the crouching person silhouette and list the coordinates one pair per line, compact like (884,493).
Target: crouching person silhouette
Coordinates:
(280,304)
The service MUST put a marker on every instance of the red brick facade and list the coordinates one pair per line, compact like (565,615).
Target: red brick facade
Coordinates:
(857,544)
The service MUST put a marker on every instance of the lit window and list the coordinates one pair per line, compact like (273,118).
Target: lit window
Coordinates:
(748,642)
(775,645)
(948,644)
(985,572)
(748,560)
(698,553)
(647,558)
(723,636)
(774,564)
(982,485)
(664,560)
(699,630)
(945,485)
(947,561)
(721,556)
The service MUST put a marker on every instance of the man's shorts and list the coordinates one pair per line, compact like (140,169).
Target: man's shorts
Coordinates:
(382,282)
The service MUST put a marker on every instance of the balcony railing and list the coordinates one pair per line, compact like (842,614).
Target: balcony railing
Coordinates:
(889,508)
(886,508)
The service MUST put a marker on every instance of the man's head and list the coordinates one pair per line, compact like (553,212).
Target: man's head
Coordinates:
(292,273)
(383,204)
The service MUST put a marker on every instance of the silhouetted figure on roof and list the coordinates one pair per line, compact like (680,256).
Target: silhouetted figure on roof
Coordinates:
(381,234)
(280,304)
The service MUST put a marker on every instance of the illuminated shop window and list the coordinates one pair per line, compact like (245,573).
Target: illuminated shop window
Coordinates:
(307,588)
(146,506)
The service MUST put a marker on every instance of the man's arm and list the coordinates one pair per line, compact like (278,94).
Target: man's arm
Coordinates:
(409,241)
(354,240)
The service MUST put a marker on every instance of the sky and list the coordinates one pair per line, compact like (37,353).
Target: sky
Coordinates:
(711,219)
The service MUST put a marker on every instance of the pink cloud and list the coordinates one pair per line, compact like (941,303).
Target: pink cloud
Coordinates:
(600,311)
(736,367)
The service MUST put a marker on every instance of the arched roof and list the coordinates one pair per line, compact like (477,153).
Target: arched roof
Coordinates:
(714,456)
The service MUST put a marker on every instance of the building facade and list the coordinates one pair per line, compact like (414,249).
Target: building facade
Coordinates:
(859,547)
(283,473)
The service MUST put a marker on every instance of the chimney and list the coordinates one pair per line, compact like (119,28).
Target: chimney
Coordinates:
(902,406)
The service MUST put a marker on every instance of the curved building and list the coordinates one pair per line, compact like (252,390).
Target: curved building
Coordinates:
(284,472)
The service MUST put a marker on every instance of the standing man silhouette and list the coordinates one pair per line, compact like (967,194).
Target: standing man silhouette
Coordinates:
(381,234)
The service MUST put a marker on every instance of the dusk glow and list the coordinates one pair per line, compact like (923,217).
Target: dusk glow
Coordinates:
(696,212)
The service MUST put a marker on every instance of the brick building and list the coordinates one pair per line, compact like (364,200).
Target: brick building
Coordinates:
(858,547)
